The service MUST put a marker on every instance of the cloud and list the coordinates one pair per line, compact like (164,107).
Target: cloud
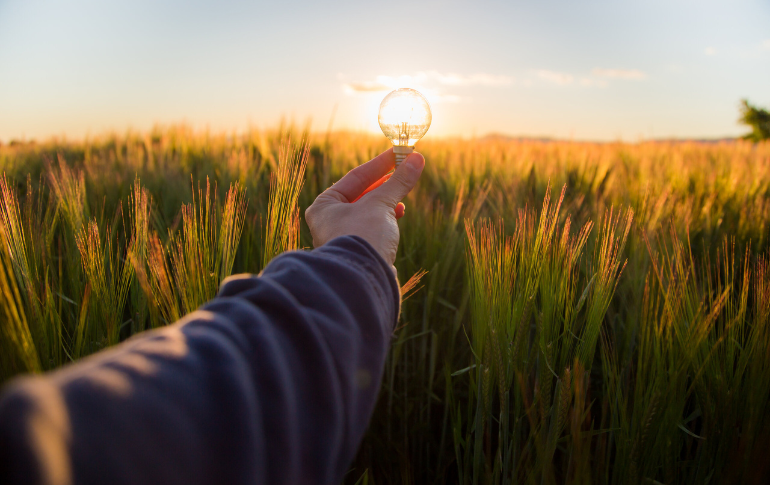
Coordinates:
(619,73)
(434,77)
(591,82)
(364,87)
(709,51)
(368,88)
(445,98)
(429,83)
(561,78)
(766,44)
(599,77)
(403,81)
(479,78)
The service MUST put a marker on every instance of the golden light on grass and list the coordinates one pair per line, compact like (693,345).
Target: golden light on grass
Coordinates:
(554,338)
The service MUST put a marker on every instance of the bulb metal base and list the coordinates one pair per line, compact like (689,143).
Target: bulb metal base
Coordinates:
(401,153)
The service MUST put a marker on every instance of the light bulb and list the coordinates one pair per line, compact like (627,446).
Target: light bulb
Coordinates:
(404,118)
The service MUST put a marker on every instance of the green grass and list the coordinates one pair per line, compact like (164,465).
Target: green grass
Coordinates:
(591,313)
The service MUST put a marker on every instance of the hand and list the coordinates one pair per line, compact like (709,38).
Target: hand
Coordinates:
(363,204)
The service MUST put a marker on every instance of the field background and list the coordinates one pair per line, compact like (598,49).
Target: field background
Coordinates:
(615,332)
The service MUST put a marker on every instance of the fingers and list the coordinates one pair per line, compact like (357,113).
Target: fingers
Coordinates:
(375,185)
(400,210)
(352,186)
(402,181)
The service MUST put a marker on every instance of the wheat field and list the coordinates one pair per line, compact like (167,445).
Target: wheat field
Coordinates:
(574,312)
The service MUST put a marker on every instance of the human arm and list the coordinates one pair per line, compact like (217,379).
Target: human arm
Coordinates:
(273,381)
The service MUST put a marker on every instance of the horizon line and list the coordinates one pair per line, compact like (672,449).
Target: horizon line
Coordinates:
(296,127)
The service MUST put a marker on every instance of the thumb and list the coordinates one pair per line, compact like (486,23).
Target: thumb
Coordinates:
(402,181)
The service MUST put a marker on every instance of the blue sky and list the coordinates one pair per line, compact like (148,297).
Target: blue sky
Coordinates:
(597,70)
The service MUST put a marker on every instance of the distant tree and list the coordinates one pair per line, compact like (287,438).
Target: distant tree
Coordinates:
(758,119)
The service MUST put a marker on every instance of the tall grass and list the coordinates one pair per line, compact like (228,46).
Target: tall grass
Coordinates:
(615,332)
(18,348)
(182,276)
(533,332)
(282,230)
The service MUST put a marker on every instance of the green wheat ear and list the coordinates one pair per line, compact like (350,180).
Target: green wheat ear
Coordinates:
(282,229)
(18,352)
(678,393)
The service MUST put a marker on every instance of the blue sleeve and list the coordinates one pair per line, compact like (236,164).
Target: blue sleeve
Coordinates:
(271,382)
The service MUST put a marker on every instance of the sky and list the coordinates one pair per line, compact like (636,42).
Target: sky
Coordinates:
(583,70)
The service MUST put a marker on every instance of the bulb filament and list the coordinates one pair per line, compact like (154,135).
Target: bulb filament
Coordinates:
(403,135)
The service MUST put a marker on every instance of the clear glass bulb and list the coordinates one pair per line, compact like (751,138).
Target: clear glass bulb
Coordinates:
(404,118)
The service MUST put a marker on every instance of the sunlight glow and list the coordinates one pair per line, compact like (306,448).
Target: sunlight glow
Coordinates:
(404,117)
